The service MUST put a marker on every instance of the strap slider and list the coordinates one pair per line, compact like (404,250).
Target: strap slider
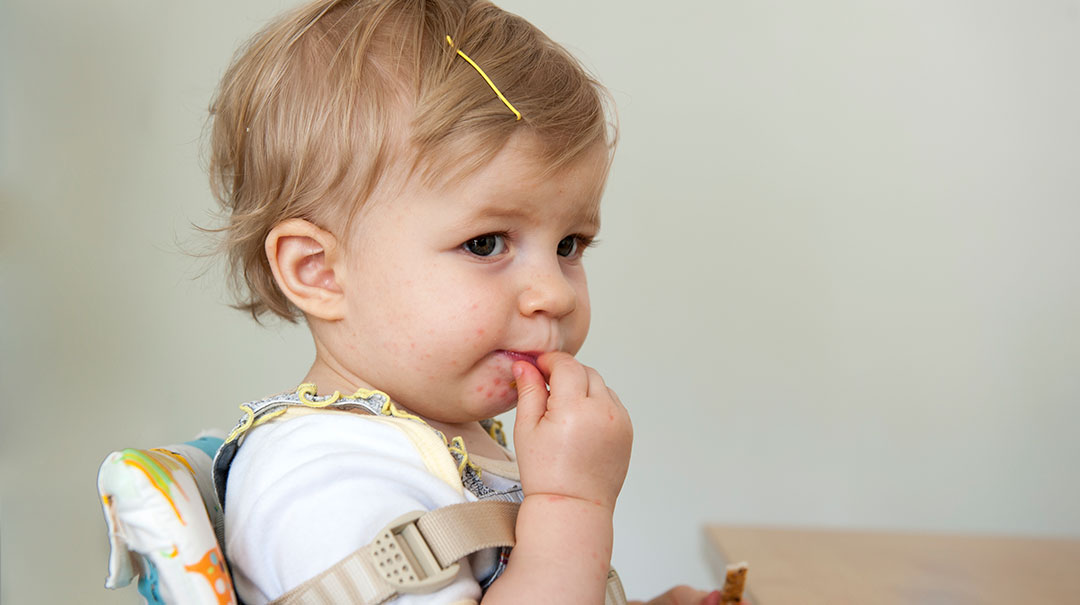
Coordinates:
(403,558)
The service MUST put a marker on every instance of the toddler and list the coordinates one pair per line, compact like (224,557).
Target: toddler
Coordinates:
(418,181)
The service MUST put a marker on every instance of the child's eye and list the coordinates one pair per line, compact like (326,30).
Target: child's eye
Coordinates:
(486,245)
(572,246)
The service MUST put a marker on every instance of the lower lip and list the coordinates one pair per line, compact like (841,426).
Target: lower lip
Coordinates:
(515,356)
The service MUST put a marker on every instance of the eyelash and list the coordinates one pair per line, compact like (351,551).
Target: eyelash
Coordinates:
(583,243)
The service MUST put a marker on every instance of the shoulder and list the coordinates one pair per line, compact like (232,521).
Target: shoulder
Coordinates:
(307,491)
(339,446)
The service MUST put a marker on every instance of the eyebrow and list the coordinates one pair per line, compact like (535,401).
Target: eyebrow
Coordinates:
(581,214)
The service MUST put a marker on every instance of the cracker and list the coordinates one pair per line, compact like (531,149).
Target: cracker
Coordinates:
(732,592)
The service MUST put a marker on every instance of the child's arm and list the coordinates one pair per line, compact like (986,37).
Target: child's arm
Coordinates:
(573,449)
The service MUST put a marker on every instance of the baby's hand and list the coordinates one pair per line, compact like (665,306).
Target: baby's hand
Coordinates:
(575,440)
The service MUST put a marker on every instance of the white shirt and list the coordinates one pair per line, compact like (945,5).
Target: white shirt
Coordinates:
(305,493)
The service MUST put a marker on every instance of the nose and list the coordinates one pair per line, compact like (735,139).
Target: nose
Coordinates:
(547,290)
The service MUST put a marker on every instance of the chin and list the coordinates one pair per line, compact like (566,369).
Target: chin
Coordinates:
(490,406)
(500,406)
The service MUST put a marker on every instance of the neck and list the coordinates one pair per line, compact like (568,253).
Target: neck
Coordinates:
(329,376)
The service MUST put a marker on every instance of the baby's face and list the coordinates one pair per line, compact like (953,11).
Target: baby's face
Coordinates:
(446,288)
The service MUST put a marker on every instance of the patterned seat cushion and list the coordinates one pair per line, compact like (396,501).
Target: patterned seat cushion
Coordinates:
(161,513)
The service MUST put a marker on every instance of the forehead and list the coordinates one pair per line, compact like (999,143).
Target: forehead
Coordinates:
(513,189)
(516,182)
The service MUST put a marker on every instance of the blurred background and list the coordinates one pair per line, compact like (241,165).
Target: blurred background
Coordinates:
(839,281)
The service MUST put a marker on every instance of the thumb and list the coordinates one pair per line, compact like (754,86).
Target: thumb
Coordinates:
(532,394)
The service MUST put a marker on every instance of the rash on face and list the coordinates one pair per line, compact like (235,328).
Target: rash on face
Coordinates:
(498,389)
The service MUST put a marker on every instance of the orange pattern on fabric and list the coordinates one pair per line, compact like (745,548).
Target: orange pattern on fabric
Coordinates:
(178,458)
(212,567)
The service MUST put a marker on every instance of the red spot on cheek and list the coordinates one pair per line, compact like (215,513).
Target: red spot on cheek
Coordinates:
(503,393)
(479,331)
(498,381)
(479,388)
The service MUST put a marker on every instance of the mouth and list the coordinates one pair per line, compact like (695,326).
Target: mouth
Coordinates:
(529,356)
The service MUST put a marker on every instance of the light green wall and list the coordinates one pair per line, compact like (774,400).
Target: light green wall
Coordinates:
(839,282)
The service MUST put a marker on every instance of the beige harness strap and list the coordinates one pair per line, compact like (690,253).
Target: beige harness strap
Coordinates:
(418,553)
(456,531)
(613,592)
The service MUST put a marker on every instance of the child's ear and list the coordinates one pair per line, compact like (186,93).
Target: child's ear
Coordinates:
(307,266)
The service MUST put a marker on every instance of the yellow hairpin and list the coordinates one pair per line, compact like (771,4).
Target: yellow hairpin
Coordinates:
(450,41)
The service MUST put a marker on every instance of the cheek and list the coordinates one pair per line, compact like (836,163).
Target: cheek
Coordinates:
(585,309)
(472,311)
(580,322)
(439,302)
(460,323)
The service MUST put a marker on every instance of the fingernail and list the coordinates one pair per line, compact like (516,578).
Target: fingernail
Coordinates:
(518,371)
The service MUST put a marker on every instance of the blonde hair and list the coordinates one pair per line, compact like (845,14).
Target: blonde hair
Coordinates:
(317,107)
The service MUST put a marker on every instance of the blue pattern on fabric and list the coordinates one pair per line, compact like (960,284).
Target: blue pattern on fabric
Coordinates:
(209,445)
(148,584)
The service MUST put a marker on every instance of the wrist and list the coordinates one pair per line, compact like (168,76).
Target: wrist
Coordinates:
(587,504)
(562,554)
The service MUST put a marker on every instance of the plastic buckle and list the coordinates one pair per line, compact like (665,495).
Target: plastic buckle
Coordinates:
(404,559)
